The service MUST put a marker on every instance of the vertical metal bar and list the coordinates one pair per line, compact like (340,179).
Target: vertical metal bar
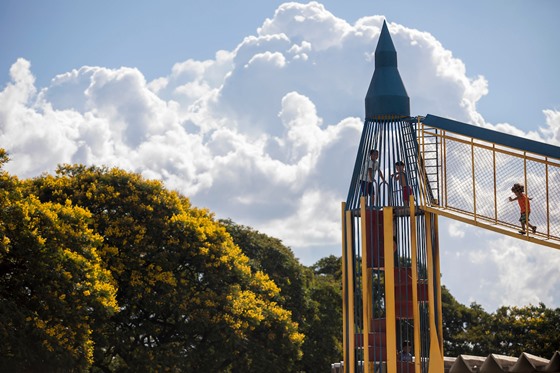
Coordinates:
(547,200)
(436,354)
(444,168)
(526,195)
(437,278)
(439,171)
(345,336)
(414,273)
(390,314)
(495,186)
(473,179)
(350,360)
(422,168)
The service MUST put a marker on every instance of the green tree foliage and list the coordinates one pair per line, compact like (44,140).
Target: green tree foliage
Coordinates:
(53,288)
(269,255)
(323,329)
(454,319)
(330,266)
(509,331)
(188,298)
(478,337)
(466,330)
(533,329)
(313,294)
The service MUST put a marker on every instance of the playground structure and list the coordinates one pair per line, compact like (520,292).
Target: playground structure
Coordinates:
(426,167)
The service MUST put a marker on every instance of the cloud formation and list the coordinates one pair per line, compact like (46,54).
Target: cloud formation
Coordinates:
(265,134)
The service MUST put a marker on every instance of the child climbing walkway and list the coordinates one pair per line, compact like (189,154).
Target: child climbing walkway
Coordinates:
(524,206)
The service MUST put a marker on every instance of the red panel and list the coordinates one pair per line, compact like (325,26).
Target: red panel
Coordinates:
(378,325)
(403,292)
(403,285)
(377,345)
(405,367)
(377,353)
(377,340)
(373,249)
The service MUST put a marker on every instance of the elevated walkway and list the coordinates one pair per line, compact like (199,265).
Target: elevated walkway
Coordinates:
(495,226)
(468,173)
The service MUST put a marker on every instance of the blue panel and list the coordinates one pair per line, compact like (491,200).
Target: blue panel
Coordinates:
(495,137)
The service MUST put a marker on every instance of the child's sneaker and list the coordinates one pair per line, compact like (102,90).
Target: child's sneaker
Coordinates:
(534,228)
(522,232)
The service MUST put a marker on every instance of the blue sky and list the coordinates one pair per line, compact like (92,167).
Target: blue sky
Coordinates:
(513,43)
(253,109)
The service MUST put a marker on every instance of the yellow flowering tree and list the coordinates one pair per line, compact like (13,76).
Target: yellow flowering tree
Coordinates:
(53,286)
(313,295)
(188,298)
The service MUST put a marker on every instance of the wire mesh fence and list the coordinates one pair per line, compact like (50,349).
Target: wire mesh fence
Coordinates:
(475,177)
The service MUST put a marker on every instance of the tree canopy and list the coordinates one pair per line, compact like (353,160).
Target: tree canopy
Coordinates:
(508,331)
(54,289)
(313,295)
(187,296)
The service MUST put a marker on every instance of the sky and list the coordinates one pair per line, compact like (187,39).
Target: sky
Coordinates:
(253,109)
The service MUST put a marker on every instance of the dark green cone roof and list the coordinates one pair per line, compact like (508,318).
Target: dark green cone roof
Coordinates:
(386,94)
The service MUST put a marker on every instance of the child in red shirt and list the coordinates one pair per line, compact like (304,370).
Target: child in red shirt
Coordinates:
(524,207)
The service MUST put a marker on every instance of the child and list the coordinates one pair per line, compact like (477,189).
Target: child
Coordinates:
(374,156)
(400,176)
(524,206)
(367,178)
(405,354)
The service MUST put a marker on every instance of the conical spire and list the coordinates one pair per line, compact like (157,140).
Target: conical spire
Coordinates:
(386,94)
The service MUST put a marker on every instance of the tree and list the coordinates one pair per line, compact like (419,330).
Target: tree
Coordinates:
(454,319)
(323,327)
(269,255)
(329,266)
(533,329)
(188,298)
(53,288)
(313,294)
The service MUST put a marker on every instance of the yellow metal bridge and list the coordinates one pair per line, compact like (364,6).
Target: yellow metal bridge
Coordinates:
(468,173)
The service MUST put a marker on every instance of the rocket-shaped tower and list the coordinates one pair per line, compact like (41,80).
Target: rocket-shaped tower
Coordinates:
(390,258)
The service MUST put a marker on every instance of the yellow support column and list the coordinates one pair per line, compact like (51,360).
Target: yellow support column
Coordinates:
(436,353)
(438,281)
(414,264)
(365,286)
(344,291)
(350,362)
(390,314)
